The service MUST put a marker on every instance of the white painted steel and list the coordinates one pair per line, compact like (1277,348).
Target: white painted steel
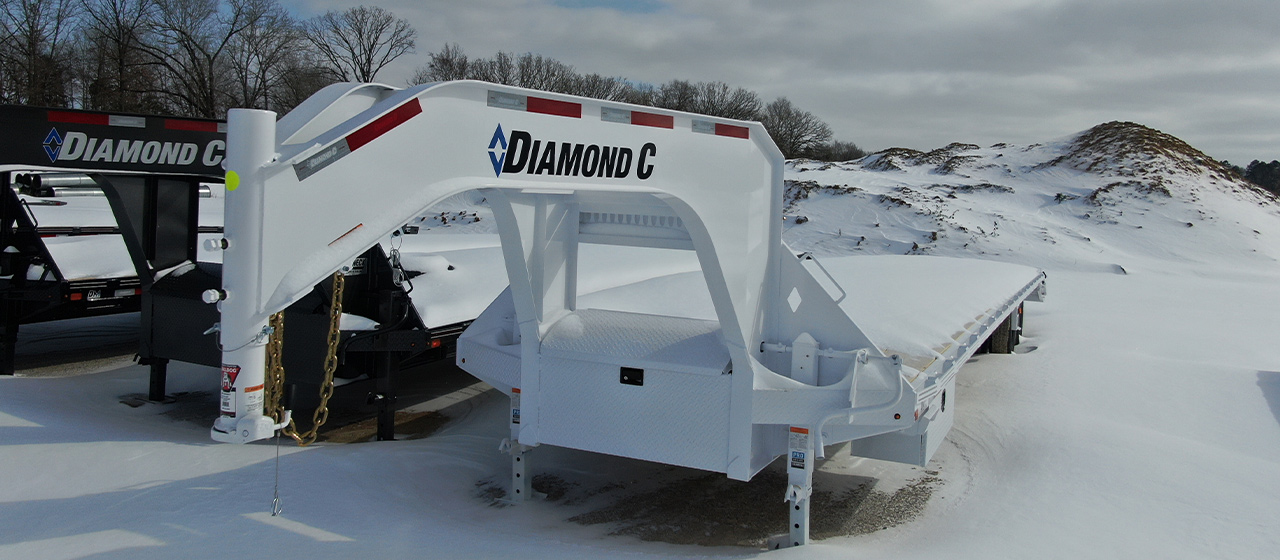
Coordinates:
(250,150)
(364,159)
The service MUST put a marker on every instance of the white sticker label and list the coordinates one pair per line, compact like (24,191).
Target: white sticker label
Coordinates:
(515,406)
(229,402)
(229,375)
(253,397)
(798,445)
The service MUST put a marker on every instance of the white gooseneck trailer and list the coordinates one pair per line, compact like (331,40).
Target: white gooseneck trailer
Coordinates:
(781,369)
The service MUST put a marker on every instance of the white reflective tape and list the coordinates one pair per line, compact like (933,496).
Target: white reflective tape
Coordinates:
(322,159)
(131,122)
(508,101)
(615,115)
(704,127)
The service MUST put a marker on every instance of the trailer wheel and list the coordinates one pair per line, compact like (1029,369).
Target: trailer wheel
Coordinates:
(1002,339)
(1016,338)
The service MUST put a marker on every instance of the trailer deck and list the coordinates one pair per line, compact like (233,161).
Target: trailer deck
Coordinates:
(84,240)
(904,305)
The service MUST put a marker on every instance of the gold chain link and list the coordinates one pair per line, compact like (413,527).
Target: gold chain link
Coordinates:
(275,368)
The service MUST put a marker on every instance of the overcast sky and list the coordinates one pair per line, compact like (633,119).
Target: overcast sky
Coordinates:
(913,73)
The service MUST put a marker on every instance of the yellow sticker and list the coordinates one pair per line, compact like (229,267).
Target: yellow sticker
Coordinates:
(233,180)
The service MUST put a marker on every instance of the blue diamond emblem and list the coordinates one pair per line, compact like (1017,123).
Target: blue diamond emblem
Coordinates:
(53,144)
(498,155)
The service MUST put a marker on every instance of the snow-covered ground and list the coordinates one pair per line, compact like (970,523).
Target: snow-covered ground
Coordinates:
(1139,418)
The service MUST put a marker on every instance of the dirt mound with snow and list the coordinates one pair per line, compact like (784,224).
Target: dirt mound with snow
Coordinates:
(1117,191)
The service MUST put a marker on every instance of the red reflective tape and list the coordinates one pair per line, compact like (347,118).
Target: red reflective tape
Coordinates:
(793,428)
(553,107)
(381,125)
(650,119)
(79,118)
(197,126)
(76,296)
(731,130)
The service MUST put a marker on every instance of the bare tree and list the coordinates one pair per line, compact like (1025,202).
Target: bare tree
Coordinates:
(526,70)
(501,69)
(596,86)
(638,94)
(837,150)
(717,98)
(359,42)
(797,133)
(678,95)
(260,55)
(113,67)
(448,64)
(35,51)
(708,98)
(191,40)
(535,71)
(303,74)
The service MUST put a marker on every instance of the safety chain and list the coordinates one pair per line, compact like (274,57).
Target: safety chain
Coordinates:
(275,368)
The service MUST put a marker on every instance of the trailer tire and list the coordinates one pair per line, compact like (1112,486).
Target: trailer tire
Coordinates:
(1002,339)
(1016,338)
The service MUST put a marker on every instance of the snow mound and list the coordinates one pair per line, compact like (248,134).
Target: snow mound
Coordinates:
(1105,197)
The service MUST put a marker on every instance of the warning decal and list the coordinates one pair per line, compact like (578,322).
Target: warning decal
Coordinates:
(229,375)
(253,397)
(798,445)
(515,405)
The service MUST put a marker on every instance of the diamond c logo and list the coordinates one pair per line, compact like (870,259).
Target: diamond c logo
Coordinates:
(522,153)
(497,155)
(53,144)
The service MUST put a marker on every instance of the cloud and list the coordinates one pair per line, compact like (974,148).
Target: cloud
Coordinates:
(633,6)
(918,73)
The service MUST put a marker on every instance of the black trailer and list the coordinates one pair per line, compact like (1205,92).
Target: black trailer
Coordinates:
(150,169)
(153,171)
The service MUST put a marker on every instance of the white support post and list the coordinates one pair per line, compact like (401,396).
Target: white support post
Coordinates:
(520,485)
(521,488)
(799,482)
(250,146)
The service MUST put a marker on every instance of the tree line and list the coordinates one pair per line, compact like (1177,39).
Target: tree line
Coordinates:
(1260,173)
(798,133)
(201,57)
(1265,175)
(186,57)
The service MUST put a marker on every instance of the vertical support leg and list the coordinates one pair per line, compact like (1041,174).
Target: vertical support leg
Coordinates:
(520,487)
(159,375)
(8,336)
(799,483)
(386,366)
